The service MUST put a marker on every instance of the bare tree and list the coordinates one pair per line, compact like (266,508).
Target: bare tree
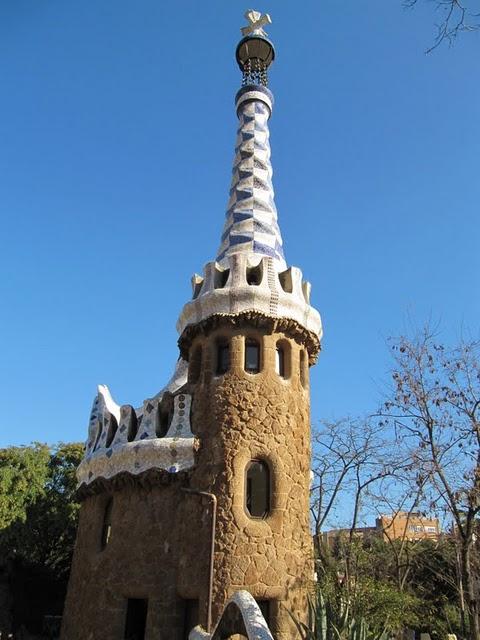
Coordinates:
(455,18)
(434,408)
(349,456)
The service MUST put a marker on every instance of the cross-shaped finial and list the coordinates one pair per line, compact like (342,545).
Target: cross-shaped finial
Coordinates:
(256,22)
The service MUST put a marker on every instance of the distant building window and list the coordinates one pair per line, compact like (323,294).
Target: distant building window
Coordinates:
(107,524)
(257,490)
(223,358)
(136,619)
(252,356)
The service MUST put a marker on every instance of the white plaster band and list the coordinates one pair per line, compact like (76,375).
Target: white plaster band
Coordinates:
(248,96)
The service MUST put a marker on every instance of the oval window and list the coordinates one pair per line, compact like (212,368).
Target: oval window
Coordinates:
(257,490)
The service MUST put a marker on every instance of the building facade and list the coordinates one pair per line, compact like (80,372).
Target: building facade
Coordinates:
(220,458)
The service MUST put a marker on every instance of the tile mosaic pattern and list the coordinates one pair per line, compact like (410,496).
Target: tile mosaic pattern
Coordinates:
(255,624)
(276,294)
(113,448)
(251,219)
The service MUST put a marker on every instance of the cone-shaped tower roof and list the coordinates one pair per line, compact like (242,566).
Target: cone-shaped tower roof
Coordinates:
(250,272)
(251,220)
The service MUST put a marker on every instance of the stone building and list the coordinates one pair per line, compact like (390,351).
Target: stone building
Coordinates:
(220,458)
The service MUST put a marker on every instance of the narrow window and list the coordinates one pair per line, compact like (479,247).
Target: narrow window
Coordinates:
(257,491)
(252,356)
(303,369)
(223,358)
(136,619)
(107,524)
(195,365)
(191,617)
(280,361)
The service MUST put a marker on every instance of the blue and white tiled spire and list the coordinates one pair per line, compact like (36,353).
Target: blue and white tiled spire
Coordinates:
(249,273)
(251,220)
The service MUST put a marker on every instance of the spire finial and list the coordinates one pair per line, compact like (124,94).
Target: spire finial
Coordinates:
(256,20)
(255,52)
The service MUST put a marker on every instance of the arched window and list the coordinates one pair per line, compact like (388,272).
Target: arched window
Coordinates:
(223,357)
(257,489)
(195,365)
(252,356)
(107,524)
(283,355)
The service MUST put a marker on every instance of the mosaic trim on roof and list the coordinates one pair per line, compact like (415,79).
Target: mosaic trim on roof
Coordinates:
(124,439)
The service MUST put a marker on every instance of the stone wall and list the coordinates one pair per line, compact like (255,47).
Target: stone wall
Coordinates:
(238,417)
(160,536)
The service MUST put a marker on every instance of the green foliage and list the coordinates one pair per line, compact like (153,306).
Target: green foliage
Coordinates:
(360,592)
(324,623)
(38,513)
(23,475)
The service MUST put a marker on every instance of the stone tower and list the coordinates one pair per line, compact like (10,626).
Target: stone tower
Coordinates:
(220,458)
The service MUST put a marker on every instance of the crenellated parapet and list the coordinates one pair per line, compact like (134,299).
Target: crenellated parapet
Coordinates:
(157,435)
(245,282)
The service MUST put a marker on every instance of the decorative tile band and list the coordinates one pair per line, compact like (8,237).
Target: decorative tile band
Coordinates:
(124,439)
(250,283)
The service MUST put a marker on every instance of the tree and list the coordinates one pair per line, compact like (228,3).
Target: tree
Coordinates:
(456,17)
(38,526)
(434,409)
(23,474)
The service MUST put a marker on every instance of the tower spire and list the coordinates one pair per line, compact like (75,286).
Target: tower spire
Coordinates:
(251,219)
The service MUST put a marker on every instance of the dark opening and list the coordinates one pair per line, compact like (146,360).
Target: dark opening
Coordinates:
(254,275)
(111,425)
(286,280)
(223,358)
(163,423)
(221,277)
(191,617)
(107,524)
(257,491)
(252,356)
(136,619)
(264,606)
(280,361)
(129,417)
(164,416)
(195,365)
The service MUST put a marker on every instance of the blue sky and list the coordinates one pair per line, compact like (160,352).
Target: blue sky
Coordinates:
(117,130)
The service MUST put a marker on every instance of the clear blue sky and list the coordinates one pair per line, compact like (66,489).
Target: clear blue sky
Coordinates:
(117,130)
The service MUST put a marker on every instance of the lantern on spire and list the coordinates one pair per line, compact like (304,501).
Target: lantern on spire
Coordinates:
(255,53)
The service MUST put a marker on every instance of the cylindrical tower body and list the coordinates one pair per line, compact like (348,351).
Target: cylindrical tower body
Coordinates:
(257,411)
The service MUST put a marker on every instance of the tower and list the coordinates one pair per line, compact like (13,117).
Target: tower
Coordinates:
(220,458)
